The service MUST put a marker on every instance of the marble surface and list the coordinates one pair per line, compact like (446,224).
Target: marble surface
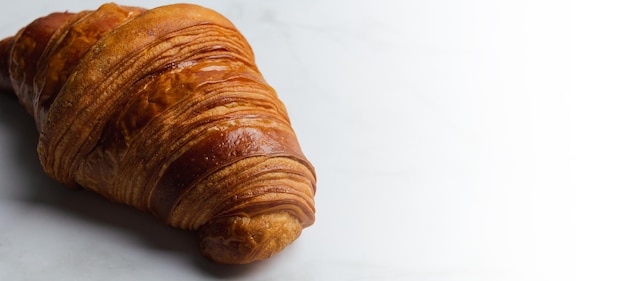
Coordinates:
(453,140)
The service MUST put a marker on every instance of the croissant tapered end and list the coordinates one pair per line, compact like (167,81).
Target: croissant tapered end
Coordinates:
(165,110)
(241,239)
(5,49)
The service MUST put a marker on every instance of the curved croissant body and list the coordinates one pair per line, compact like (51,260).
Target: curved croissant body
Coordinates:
(165,110)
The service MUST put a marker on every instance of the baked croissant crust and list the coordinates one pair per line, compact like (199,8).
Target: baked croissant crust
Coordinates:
(166,111)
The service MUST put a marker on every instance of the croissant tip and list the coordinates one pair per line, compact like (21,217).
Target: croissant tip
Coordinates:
(243,240)
(5,49)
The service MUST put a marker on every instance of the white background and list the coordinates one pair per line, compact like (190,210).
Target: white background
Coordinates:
(453,140)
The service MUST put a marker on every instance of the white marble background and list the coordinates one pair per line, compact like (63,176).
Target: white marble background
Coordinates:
(453,140)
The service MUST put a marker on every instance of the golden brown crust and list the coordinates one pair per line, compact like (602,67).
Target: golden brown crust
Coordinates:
(243,239)
(72,42)
(165,110)
(29,45)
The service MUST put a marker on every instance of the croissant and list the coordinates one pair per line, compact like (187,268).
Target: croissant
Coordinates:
(165,110)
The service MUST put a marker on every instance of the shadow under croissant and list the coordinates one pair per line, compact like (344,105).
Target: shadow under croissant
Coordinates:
(84,205)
